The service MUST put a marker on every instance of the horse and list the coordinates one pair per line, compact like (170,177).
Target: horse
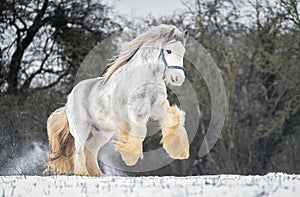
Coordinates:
(121,102)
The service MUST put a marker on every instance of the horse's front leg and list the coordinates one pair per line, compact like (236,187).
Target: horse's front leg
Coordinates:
(175,139)
(130,144)
(131,137)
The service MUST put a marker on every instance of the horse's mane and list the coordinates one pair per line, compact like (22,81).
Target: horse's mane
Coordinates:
(129,49)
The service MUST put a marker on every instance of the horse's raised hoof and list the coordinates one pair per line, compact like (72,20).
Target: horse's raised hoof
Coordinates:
(129,146)
(176,144)
(176,154)
(130,158)
(175,139)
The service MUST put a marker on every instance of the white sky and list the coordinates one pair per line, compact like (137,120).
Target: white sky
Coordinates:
(145,7)
(158,8)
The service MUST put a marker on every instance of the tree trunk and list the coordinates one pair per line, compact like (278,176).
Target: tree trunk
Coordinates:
(22,45)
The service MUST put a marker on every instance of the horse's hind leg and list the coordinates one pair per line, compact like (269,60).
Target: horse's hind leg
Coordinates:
(91,150)
(80,134)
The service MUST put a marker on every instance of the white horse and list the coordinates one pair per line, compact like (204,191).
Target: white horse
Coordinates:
(132,90)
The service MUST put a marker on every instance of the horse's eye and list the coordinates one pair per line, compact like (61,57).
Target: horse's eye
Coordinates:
(169,51)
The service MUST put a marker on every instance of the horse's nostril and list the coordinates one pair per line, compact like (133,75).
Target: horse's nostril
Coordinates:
(176,78)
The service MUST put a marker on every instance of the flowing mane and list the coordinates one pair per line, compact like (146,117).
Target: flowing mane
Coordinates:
(130,48)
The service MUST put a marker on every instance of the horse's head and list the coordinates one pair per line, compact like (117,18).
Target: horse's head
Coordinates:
(171,55)
(171,44)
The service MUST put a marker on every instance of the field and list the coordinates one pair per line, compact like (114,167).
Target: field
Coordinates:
(272,184)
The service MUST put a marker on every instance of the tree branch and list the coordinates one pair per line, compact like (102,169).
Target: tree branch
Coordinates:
(27,82)
(55,82)
(22,44)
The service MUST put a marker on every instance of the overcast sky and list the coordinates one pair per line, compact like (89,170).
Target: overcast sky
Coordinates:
(157,8)
(160,7)
(145,7)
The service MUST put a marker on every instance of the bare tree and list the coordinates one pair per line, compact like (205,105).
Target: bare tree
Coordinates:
(45,41)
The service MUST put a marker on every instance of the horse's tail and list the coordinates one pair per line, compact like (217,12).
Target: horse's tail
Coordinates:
(61,142)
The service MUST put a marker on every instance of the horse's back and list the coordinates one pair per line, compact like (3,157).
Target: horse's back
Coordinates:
(86,85)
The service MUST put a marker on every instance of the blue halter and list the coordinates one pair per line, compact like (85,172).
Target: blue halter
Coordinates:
(162,56)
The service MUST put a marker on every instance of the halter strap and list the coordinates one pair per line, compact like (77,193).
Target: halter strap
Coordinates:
(162,56)
(176,67)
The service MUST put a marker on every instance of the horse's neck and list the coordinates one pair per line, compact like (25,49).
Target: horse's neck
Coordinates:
(145,55)
(142,67)
(146,60)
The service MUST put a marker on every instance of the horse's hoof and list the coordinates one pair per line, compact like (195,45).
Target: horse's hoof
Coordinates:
(81,174)
(176,153)
(177,144)
(97,175)
(184,155)
(130,158)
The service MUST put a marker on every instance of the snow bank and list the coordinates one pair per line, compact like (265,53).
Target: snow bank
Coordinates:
(275,184)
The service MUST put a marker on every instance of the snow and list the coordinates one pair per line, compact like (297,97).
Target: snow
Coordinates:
(274,184)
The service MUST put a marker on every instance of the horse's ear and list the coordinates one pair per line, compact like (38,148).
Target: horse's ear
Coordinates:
(171,34)
(185,34)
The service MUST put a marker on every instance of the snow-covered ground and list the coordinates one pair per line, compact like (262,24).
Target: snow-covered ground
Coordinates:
(273,184)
